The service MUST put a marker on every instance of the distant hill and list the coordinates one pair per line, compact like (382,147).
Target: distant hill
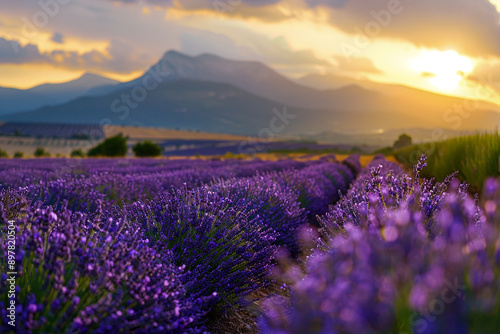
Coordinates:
(13,100)
(183,104)
(73,89)
(254,77)
(352,104)
(214,94)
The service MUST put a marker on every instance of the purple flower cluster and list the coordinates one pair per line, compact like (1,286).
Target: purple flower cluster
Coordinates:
(382,186)
(226,252)
(80,275)
(75,193)
(272,204)
(415,256)
(319,185)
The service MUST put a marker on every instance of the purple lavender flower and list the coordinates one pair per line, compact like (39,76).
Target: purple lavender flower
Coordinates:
(386,268)
(73,277)
(223,249)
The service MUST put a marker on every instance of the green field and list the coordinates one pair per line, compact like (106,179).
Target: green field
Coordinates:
(475,157)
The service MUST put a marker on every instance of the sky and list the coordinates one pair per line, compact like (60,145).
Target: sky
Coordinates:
(448,46)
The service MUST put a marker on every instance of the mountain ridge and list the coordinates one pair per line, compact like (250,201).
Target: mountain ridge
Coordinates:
(195,79)
(18,100)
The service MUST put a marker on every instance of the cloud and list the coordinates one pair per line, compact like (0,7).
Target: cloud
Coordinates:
(275,51)
(355,64)
(487,74)
(153,2)
(203,3)
(469,27)
(57,38)
(12,52)
(330,3)
(119,57)
(263,10)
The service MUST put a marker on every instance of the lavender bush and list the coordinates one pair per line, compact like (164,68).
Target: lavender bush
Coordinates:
(319,185)
(386,268)
(80,275)
(382,186)
(122,181)
(271,203)
(225,248)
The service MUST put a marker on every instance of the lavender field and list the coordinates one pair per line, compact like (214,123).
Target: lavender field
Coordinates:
(150,245)
(189,246)
(250,166)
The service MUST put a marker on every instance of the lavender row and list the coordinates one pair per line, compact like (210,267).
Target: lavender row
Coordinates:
(85,131)
(99,188)
(227,232)
(124,180)
(415,256)
(159,264)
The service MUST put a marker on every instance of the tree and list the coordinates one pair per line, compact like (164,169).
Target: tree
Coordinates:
(77,153)
(111,147)
(3,154)
(147,149)
(40,152)
(18,154)
(403,140)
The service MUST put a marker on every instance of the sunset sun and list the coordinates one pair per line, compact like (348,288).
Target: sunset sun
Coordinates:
(445,69)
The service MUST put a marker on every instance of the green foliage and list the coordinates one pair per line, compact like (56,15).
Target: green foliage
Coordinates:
(80,136)
(385,151)
(147,149)
(77,153)
(40,152)
(403,141)
(18,154)
(111,147)
(3,154)
(475,157)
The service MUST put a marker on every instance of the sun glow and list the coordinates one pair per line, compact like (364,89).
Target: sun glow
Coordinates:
(445,69)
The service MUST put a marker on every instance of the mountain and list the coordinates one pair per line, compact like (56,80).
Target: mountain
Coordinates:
(254,77)
(438,110)
(327,81)
(216,107)
(14,100)
(412,107)
(73,89)
(183,104)
(214,94)
(413,96)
